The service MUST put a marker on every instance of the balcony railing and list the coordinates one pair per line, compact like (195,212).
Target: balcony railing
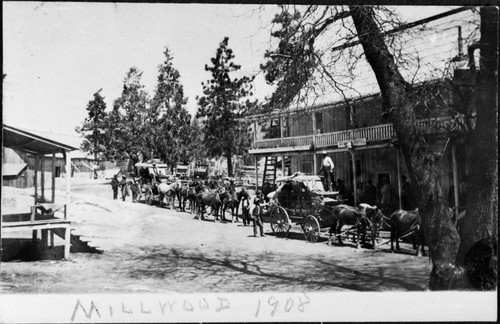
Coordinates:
(371,134)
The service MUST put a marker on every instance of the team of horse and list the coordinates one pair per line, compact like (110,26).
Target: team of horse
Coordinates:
(222,195)
(216,195)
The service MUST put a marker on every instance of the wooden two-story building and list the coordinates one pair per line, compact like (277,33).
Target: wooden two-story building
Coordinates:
(353,130)
(361,143)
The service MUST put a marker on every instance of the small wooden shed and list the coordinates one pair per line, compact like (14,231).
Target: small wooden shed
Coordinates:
(41,215)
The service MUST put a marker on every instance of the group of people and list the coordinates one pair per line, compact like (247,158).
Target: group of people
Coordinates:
(367,193)
(119,184)
(252,210)
(384,196)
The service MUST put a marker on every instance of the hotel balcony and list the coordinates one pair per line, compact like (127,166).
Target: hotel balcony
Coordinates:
(357,137)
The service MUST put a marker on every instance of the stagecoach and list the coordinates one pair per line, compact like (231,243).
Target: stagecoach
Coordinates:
(150,175)
(302,199)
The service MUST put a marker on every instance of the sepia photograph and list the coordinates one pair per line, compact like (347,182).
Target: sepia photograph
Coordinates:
(249,162)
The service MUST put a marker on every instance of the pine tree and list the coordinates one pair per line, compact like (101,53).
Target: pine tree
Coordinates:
(168,119)
(93,128)
(129,114)
(222,107)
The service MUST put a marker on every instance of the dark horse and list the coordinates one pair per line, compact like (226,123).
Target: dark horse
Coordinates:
(208,199)
(360,218)
(186,193)
(407,223)
(231,199)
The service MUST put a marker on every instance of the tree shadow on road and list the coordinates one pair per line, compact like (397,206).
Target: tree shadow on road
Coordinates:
(225,271)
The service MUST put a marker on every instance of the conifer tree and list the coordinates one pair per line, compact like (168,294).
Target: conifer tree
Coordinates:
(222,106)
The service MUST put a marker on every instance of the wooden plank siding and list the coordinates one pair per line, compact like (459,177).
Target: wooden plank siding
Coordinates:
(374,163)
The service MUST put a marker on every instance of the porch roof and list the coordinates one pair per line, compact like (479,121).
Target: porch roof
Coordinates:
(16,138)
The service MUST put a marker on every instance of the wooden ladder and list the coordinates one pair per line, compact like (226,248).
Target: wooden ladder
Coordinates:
(270,170)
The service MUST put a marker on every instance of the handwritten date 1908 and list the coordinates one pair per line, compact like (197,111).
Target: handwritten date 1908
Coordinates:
(274,305)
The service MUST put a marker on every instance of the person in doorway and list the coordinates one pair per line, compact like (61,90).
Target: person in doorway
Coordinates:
(327,168)
(114,185)
(406,194)
(385,193)
(341,189)
(371,193)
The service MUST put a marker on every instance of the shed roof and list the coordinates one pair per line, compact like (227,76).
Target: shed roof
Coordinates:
(25,141)
(12,169)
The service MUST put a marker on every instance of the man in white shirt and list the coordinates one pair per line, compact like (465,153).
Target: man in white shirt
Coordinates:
(327,167)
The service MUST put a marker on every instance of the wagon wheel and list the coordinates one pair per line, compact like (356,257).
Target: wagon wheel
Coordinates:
(280,223)
(148,196)
(311,229)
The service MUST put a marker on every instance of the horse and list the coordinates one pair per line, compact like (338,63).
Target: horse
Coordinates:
(189,194)
(230,200)
(135,187)
(208,199)
(169,191)
(404,223)
(359,218)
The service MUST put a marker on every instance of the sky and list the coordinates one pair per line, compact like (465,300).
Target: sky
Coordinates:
(56,55)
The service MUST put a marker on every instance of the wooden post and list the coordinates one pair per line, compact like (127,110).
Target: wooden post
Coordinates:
(282,129)
(283,165)
(53,198)
(455,181)
(256,173)
(45,236)
(315,162)
(399,178)
(42,178)
(67,242)
(254,131)
(315,159)
(68,177)
(33,213)
(51,238)
(35,180)
(351,151)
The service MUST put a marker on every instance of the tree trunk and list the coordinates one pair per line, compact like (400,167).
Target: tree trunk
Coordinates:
(229,164)
(440,232)
(479,231)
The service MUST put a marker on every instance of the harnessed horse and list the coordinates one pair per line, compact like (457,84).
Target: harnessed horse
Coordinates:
(168,191)
(186,193)
(359,218)
(407,223)
(230,199)
(211,199)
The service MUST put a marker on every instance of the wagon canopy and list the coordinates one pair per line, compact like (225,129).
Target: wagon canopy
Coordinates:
(312,182)
(159,169)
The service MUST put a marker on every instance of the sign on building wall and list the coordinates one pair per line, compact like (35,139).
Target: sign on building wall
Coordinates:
(351,143)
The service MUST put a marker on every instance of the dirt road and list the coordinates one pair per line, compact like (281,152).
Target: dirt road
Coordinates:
(152,249)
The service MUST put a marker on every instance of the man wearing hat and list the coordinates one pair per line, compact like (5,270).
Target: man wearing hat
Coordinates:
(327,168)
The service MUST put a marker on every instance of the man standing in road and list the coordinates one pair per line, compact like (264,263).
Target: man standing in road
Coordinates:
(327,167)
(256,213)
(114,185)
(244,198)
